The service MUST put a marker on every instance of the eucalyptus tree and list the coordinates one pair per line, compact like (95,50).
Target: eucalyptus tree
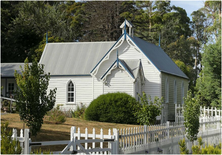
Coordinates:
(199,24)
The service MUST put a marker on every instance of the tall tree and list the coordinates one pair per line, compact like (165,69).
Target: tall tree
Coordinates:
(209,83)
(182,49)
(15,40)
(74,17)
(41,17)
(104,18)
(198,25)
(32,99)
(213,11)
(188,70)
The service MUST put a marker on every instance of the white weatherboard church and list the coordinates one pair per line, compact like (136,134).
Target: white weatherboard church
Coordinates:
(81,71)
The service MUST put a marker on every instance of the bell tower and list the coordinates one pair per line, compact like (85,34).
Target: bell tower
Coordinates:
(127,25)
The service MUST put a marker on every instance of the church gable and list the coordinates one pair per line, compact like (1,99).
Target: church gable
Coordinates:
(126,51)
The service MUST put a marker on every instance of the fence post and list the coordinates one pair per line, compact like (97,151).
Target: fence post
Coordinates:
(204,124)
(72,137)
(21,143)
(109,143)
(116,142)
(176,117)
(168,129)
(204,111)
(14,135)
(145,134)
(26,138)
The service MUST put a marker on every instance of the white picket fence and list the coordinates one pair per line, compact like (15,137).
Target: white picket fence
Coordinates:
(155,139)
(161,138)
(164,138)
(78,143)
(204,112)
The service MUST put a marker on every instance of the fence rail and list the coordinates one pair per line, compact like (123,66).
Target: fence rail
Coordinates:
(157,139)
(204,112)
(161,138)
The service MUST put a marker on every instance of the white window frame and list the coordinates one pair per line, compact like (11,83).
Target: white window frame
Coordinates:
(175,92)
(182,92)
(167,91)
(69,92)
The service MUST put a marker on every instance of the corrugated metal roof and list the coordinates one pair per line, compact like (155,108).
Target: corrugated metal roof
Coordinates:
(79,58)
(76,58)
(8,69)
(158,57)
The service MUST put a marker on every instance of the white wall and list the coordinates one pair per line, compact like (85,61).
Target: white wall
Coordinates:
(152,75)
(83,89)
(119,81)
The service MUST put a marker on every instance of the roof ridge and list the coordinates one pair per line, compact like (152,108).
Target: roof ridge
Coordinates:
(80,42)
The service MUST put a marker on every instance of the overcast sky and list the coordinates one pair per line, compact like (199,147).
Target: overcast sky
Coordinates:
(188,5)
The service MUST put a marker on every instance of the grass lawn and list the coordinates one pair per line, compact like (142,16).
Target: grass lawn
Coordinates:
(56,132)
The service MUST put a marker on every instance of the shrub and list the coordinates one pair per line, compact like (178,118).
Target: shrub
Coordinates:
(198,149)
(56,115)
(112,107)
(148,110)
(8,146)
(68,113)
(79,112)
(183,148)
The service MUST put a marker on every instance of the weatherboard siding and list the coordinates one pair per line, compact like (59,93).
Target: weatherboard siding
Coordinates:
(171,105)
(152,85)
(119,81)
(82,85)
(97,88)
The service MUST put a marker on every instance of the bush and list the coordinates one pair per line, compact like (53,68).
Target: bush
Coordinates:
(198,149)
(79,112)
(183,148)
(56,115)
(9,146)
(112,107)
(68,113)
(148,110)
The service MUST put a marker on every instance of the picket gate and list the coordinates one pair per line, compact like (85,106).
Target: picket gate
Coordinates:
(78,143)
(162,138)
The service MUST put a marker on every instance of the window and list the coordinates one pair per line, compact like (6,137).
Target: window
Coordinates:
(10,87)
(175,92)
(182,93)
(71,94)
(167,91)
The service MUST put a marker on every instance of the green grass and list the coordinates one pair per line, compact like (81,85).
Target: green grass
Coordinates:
(56,132)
